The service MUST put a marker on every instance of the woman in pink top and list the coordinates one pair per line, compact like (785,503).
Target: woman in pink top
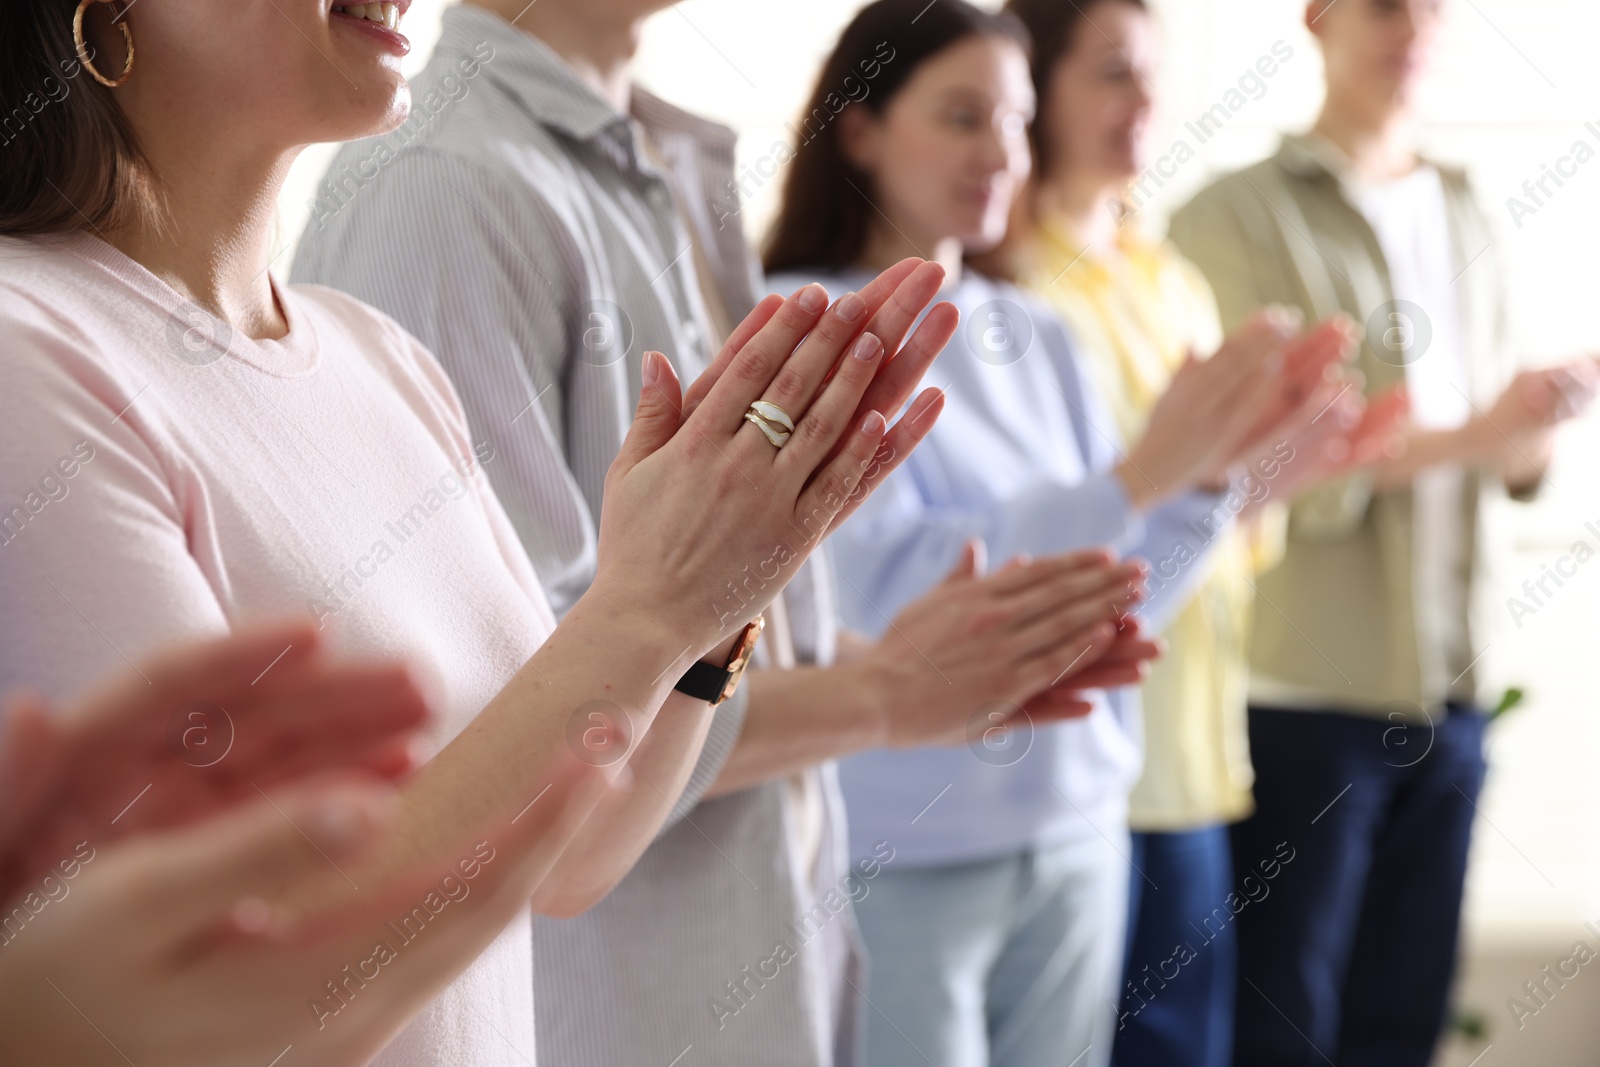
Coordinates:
(185,445)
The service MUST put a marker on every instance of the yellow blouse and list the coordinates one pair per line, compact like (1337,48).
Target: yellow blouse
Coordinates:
(1135,313)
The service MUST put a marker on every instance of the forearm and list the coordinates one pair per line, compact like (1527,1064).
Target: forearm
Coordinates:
(851,648)
(1142,493)
(887,561)
(626,823)
(663,753)
(598,660)
(1475,442)
(1180,537)
(799,718)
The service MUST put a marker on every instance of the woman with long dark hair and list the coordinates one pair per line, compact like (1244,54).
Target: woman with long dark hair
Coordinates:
(998,935)
(185,444)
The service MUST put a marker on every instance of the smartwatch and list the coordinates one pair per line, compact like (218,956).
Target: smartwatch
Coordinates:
(716,684)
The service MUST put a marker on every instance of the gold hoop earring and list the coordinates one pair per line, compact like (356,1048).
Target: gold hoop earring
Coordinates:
(83,47)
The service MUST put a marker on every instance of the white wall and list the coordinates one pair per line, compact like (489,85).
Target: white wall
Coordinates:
(1516,84)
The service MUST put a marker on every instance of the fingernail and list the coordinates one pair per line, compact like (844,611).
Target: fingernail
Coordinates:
(866,348)
(652,368)
(849,307)
(1281,321)
(873,424)
(813,298)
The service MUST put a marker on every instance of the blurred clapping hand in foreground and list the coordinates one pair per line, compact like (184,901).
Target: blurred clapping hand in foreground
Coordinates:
(142,871)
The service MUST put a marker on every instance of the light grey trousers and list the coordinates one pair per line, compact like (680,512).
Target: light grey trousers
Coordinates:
(1011,962)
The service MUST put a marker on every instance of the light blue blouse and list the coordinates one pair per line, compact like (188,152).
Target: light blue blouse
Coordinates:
(1022,457)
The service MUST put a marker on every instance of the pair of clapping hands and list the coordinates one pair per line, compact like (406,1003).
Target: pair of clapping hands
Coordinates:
(1272,390)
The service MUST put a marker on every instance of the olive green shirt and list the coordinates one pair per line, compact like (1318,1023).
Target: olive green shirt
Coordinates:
(1344,622)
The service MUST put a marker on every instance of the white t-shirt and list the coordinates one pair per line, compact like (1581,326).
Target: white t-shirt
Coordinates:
(1410,219)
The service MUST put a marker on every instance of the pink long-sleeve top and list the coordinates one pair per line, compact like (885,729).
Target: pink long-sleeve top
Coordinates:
(162,479)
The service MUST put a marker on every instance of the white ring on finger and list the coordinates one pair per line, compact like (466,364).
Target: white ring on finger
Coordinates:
(772,413)
(777,437)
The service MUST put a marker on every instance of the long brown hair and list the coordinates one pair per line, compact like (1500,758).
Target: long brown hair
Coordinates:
(825,211)
(1055,26)
(68,158)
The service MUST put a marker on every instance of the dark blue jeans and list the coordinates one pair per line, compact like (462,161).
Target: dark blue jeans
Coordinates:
(1349,959)
(1177,994)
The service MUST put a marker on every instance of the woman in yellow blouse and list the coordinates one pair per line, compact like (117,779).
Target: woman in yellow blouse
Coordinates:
(1139,309)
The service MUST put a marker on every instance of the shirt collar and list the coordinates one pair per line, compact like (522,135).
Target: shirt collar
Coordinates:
(550,91)
(666,121)
(530,71)
(1310,155)
(1061,236)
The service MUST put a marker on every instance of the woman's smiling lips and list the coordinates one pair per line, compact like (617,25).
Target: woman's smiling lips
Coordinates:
(977,196)
(379,21)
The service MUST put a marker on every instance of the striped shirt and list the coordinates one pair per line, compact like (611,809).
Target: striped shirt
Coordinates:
(537,241)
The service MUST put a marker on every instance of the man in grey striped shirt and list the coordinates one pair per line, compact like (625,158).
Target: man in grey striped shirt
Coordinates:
(536,223)
(529,233)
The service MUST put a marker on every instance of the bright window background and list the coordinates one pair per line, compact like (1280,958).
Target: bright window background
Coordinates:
(1516,83)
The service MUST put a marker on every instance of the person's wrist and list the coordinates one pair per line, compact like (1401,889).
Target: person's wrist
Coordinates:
(667,646)
(1526,465)
(718,657)
(1479,439)
(875,680)
(1217,482)
(1541,448)
(1141,492)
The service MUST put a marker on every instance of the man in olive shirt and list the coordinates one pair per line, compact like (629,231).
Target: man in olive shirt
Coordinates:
(1365,725)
